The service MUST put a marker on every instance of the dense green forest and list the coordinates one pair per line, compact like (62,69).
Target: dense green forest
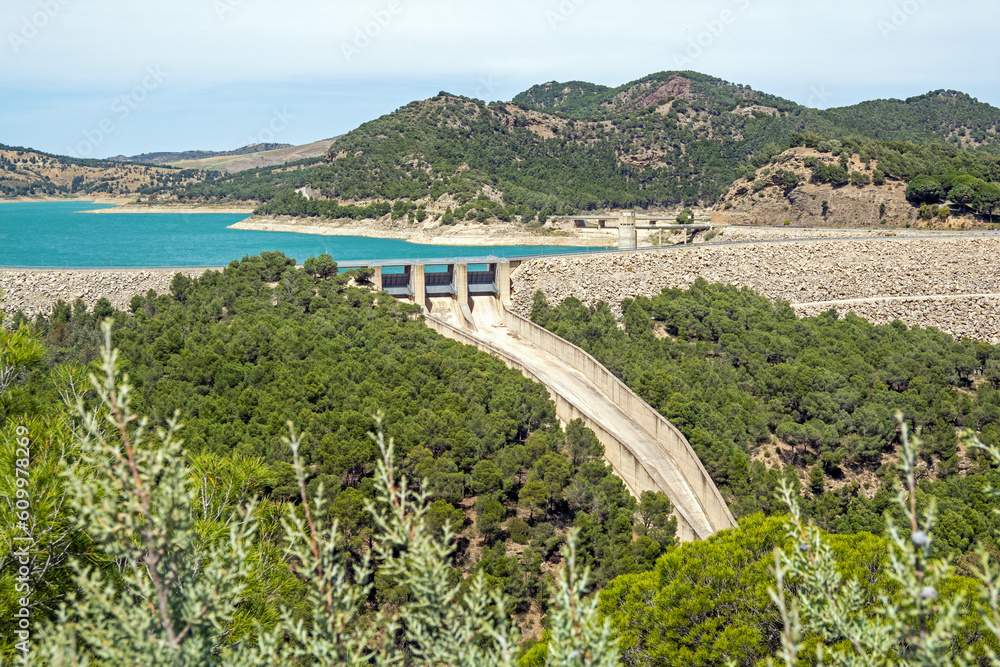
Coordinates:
(242,352)
(733,371)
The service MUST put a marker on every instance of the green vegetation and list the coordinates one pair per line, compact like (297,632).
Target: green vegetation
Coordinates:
(736,373)
(855,600)
(242,352)
(561,148)
(243,571)
(186,572)
(925,616)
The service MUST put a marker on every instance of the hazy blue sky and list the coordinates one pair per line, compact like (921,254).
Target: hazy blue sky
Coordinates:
(102,77)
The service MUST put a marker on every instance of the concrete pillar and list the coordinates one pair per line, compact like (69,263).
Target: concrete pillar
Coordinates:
(418,285)
(460,281)
(377,278)
(627,237)
(503,282)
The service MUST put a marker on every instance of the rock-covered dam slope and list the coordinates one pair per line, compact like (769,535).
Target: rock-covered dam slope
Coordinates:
(949,283)
(36,290)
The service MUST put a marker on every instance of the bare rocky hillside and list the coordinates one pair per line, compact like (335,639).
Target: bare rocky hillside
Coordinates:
(766,199)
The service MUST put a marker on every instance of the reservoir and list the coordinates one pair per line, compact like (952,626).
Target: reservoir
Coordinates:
(61,234)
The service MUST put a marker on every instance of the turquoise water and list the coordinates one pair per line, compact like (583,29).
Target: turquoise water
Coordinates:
(61,234)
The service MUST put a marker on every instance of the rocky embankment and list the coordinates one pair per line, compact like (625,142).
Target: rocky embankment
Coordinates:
(739,233)
(949,283)
(35,291)
(957,273)
(767,199)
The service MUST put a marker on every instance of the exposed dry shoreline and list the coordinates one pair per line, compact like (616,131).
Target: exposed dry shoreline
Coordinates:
(128,205)
(463,233)
(157,208)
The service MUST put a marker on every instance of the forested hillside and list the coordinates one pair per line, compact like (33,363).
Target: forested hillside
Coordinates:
(242,352)
(762,394)
(858,182)
(25,173)
(668,139)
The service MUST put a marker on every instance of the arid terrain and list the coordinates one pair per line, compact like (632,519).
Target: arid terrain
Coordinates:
(235,163)
(812,204)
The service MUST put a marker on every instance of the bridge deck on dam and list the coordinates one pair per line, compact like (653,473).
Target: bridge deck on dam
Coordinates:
(488,327)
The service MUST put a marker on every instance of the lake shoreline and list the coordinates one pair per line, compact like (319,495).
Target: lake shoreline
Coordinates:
(461,234)
(129,205)
(184,210)
(54,236)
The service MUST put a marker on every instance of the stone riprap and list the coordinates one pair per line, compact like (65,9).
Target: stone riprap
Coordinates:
(36,291)
(801,273)
(737,233)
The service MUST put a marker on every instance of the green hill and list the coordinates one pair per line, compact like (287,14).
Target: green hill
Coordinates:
(667,139)
(25,172)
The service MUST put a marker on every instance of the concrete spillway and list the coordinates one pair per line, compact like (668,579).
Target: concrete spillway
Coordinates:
(646,451)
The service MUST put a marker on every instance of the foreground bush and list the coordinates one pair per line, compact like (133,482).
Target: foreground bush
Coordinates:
(171,587)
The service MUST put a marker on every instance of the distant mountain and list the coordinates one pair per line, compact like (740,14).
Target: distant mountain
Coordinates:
(236,162)
(666,139)
(29,173)
(669,138)
(168,157)
(942,115)
(590,101)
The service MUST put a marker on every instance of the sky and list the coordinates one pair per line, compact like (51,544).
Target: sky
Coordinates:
(98,78)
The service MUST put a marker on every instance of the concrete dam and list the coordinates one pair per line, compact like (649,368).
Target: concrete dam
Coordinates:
(645,450)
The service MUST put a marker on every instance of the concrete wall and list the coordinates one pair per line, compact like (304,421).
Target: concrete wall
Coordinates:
(418,285)
(503,282)
(672,440)
(627,238)
(636,475)
(460,281)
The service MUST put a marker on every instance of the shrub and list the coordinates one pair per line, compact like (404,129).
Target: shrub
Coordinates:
(924,190)
(176,596)
(860,179)
(518,529)
(927,620)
